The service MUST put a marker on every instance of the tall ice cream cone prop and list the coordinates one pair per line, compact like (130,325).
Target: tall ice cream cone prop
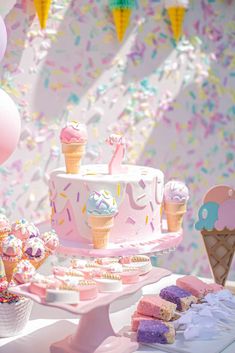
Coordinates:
(101,209)
(176,11)
(121,10)
(42,9)
(175,204)
(217,225)
(73,138)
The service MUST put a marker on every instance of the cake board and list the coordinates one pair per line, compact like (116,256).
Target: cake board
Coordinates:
(94,333)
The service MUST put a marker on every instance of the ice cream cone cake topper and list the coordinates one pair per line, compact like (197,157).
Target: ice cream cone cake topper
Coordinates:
(42,9)
(121,10)
(176,10)
(216,221)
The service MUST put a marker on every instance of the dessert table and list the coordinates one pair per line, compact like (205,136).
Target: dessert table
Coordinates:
(48,325)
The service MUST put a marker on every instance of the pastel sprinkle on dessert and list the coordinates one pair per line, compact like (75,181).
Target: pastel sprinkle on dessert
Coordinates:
(155,306)
(181,297)
(155,331)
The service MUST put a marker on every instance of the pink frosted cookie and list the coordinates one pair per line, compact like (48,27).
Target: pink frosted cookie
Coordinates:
(109,283)
(155,306)
(141,263)
(87,289)
(130,276)
(40,284)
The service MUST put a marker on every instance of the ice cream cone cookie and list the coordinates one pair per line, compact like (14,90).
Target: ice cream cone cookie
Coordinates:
(11,254)
(3,278)
(23,272)
(42,9)
(73,138)
(34,251)
(176,195)
(51,241)
(101,209)
(24,230)
(217,225)
(121,10)
(176,11)
(5,228)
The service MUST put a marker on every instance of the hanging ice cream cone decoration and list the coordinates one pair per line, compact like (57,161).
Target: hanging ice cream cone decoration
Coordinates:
(42,9)
(176,11)
(121,10)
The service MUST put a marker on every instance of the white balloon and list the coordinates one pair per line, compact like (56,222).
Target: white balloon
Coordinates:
(6,6)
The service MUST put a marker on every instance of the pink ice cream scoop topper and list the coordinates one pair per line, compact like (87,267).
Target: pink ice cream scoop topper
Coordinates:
(74,132)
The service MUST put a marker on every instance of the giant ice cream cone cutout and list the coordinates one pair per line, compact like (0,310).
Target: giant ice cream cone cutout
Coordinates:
(176,10)
(121,10)
(217,225)
(42,9)
(101,209)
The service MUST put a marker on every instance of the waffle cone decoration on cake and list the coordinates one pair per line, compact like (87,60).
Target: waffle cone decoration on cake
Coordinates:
(101,209)
(100,228)
(176,196)
(73,138)
(175,214)
(42,9)
(217,225)
(121,10)
(176,11)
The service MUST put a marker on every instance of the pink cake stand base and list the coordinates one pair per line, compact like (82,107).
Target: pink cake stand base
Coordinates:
(95,335)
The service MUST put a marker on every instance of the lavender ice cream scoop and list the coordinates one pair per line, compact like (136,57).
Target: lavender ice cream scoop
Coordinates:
(181,297)
(176,192)
(154,331)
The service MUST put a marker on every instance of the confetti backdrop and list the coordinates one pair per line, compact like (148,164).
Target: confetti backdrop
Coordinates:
(175,104)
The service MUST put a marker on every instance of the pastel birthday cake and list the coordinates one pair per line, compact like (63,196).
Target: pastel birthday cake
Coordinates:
(110,203)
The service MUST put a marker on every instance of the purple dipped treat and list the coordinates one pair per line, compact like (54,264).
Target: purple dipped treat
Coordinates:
(181,297)
(155,331)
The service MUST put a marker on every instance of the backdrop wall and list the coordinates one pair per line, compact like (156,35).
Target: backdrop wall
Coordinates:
(175,104)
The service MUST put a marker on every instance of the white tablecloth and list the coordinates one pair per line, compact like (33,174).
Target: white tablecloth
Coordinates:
(48,325)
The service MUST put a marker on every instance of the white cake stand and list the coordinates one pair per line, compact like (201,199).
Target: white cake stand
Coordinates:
(163,242)
(94,333)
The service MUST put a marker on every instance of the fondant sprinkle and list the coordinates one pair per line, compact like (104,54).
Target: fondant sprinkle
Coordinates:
(69,216)
(67,186)
(141,197)
(78,196)
(142,183)
(84,209)
(152,226)
(61,221)
(130,220)
(151,205)
(118,189)
(146,219)
(63,195)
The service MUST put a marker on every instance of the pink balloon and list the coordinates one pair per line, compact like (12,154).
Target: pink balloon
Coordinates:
(3,38)
(10,125)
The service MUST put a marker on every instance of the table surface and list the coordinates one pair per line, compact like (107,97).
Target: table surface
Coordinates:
(48,325)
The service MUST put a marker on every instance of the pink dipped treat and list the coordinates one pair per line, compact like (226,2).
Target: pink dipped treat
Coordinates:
(155,306)
(39,284)
(130,276)
(197,287)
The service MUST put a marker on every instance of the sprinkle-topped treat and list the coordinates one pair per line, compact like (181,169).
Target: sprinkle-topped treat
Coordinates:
(23,272)
(5,228)
(73,138)
(24,230)
(197,287)
(155,306)
(155,331)
(182,298)
(51,241)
